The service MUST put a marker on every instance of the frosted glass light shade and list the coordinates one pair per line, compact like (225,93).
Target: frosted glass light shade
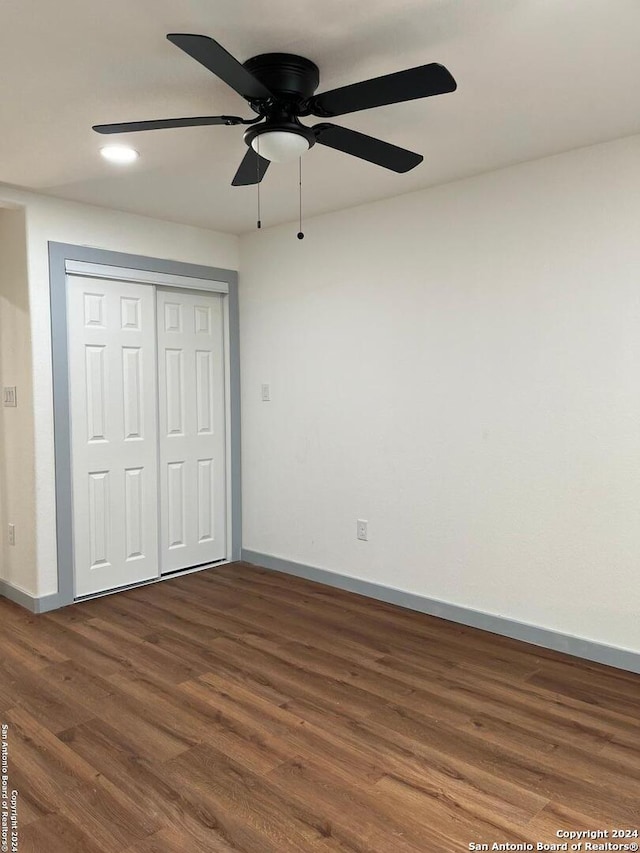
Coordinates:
(279,145)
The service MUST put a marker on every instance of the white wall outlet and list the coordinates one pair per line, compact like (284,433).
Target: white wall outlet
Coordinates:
(362,531)
(9,397)
(266,392)
(12,534)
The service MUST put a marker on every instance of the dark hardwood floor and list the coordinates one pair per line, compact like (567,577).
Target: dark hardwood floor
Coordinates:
(243,710)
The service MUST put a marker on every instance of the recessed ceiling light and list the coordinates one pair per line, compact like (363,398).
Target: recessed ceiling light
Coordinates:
(119,153)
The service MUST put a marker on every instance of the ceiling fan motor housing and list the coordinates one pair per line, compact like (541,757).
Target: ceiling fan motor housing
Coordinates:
(289,77)
(293,80)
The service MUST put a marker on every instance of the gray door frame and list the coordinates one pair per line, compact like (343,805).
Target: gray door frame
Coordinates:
(59,254)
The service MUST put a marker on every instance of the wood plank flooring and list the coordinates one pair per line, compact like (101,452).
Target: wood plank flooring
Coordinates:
(243,710)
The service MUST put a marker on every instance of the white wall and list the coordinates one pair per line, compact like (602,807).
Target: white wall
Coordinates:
(461,367)
(50,219)
(17,470)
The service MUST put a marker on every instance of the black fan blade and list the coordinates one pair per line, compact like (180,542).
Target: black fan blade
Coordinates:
(159,124)
(251,170)
(421,82)
(213,56)
(366,147)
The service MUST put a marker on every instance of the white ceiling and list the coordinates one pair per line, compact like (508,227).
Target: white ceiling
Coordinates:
(535,77)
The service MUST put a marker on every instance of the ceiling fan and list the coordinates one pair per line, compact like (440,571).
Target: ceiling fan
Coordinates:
(279,88)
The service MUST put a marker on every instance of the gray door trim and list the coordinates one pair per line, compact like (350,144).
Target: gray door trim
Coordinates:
(59,254)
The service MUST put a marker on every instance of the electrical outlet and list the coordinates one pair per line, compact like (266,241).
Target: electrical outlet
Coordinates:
(362,531)
(266,393)
(12,534)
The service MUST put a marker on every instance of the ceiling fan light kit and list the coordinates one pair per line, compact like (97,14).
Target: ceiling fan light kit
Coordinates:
(280,145)
(280,89)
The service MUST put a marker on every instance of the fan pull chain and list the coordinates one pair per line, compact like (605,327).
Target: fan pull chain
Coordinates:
(258,181)
(300,232)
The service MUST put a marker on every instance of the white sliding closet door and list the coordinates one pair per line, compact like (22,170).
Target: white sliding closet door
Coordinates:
(114,439)
(192,429)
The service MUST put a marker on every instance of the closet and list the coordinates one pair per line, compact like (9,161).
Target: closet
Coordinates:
(146,364)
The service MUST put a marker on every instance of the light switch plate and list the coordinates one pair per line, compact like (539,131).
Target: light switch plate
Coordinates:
(266,393)
(9,397)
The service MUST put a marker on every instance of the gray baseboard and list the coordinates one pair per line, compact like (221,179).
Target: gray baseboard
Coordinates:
(17,596)
(548,639)
(51,602)
(31,602)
